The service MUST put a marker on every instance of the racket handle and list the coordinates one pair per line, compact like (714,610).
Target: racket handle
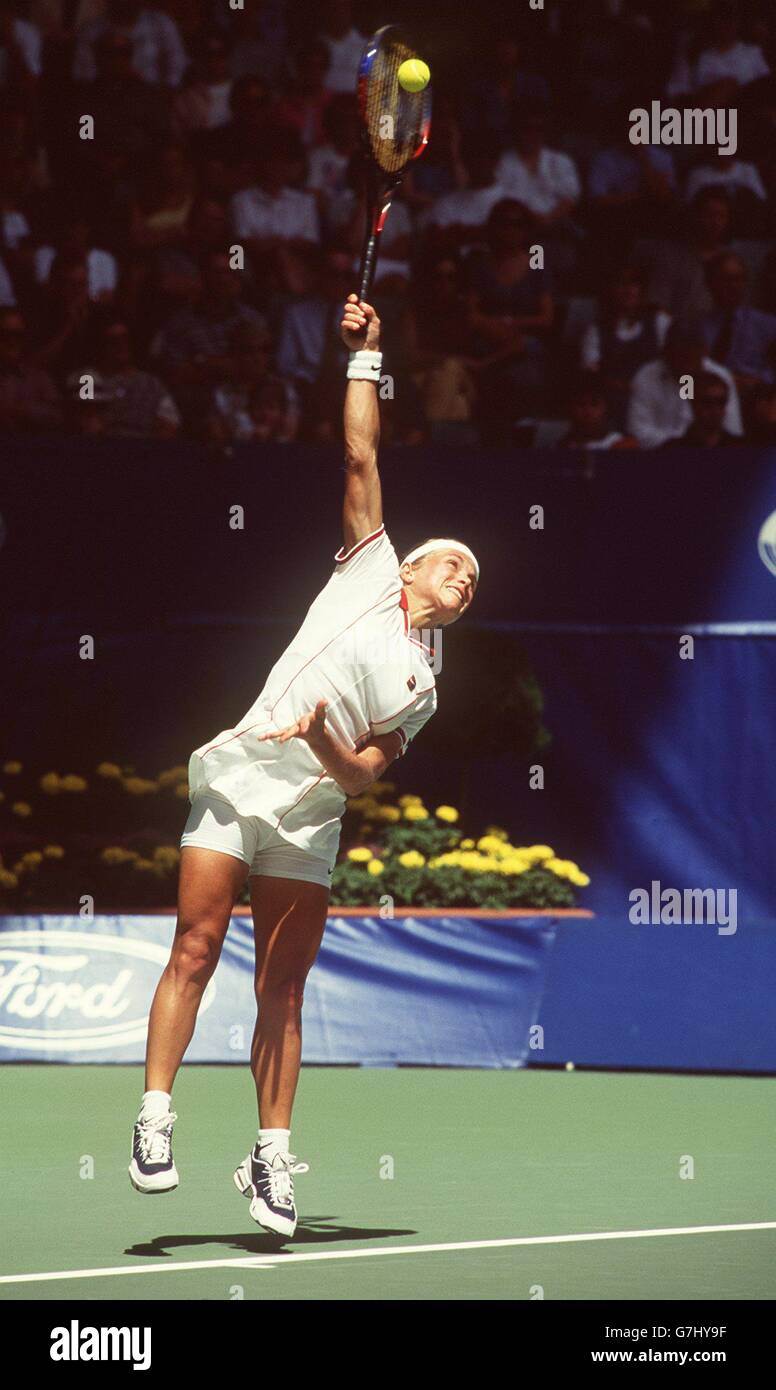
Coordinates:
(368,265)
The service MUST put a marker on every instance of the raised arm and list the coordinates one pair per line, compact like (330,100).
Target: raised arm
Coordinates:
(362,512)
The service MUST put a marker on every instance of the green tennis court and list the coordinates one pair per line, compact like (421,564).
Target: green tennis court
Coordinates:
(476,1158)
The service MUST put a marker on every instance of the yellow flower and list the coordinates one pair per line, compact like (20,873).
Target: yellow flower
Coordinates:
(167,856)
(50,783)
(139,786)
(497,831)
(111,771)
(173,775)
(363,805)
(32,858)
(408,800)
(559,867)
(12,768)
(412,859)
(360,855)
(388,813)
(512,864)
(375,866)
(7,879)
(581,879)
(467,844)
(415,812)
(491,844)
(377,788)
(72,783)
(116,854)
(145,866)
(182,790)
(53,852)
(21,808)
(447,813)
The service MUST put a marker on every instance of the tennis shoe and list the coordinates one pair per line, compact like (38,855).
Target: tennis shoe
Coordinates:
(270,1189)
(152,1168)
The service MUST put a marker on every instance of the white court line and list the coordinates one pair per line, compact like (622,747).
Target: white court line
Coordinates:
(274,1261)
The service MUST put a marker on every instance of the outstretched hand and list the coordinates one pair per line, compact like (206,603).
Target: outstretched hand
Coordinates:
(309,728)
(360,327)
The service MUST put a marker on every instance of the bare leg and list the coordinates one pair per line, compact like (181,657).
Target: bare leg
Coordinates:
(209,884)
(289,918)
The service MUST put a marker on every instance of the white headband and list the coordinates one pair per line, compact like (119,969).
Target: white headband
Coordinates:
(442,545)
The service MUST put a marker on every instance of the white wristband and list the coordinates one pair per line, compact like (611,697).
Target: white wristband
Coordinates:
(365,366)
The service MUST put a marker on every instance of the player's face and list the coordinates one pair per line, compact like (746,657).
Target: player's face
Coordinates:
(450,584)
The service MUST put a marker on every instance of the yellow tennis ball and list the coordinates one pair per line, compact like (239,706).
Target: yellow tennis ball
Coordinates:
(414,75)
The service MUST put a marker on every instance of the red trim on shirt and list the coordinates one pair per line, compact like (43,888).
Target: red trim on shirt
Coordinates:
(341,558)
(401,711)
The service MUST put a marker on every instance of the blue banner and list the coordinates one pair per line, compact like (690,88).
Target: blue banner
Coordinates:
(424,989)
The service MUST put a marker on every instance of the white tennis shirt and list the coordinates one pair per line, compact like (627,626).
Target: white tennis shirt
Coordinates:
(356,650)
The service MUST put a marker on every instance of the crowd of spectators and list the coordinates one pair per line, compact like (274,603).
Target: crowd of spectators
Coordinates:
(542,280)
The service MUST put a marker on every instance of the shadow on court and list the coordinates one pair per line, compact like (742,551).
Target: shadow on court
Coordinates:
(313,1231)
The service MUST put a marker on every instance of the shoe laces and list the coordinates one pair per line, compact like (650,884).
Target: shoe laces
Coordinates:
(279,1174)
(155,1136)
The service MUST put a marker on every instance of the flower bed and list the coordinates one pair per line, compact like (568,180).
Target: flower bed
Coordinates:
(114,837)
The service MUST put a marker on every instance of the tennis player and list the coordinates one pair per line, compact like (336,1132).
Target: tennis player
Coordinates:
(353,688)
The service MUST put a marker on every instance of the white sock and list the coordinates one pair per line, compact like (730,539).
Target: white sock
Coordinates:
(155,1104)
(273,1141)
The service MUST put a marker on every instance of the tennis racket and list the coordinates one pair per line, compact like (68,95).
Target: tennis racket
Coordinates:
(396,126)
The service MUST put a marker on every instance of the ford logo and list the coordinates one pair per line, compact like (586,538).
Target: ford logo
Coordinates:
(78,990)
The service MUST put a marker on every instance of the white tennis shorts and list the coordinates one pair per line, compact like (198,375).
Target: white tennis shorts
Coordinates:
(213,823)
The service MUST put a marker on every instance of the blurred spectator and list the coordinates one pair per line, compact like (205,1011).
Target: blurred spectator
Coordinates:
(60,19)
(630,189)
(310,326)
(707,430)
(762,431)
(76,238)
(20,49)
(127,403)
(657,409)
(303,102)
(741,338)
(7,293)
(130,114)
(161,212)
(29,400)
(441,341)
(492,99)
(204,101)
(739,179)
(511,312)
(67,319)
(589,425)
(158,55)
(255,404)
(724,63)
(463,214)
(625,336)
(328,163)
(441,169)
(229,152)
(545,180)
(345,44)
(676,278)
(272,218)
(260,35)
(192,350)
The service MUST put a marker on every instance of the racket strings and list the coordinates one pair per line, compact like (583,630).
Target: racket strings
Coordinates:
(394,118)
